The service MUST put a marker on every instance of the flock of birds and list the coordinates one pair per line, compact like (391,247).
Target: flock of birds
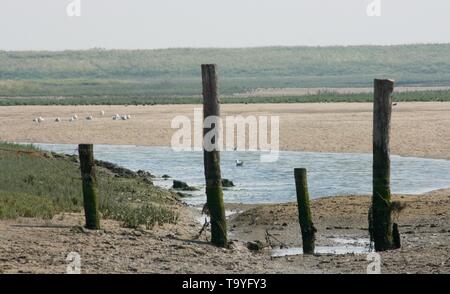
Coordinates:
(40,119)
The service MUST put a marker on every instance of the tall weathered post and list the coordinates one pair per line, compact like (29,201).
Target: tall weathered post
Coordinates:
(211,156)
(304,211)
(90,193)
(381,199)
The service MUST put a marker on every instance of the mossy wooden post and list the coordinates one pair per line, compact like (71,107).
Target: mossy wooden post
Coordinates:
(211,158)
(90,194)
(381,198)
(304,211)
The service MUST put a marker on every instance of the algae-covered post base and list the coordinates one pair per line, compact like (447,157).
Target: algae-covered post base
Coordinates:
(304,211)
(381,227)
(90,193)
(211,157)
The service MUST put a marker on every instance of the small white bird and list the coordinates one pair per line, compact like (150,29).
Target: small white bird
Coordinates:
(128,116)
(57,119)
(40,119)
(75,117)
(89,117)
(35,120)
(239,162)
(102,112)
(71,119)
(124,117)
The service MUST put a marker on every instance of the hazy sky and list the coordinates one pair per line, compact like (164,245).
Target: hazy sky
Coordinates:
(44,24)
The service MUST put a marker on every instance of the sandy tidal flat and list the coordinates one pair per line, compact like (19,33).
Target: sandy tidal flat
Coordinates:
(418,129)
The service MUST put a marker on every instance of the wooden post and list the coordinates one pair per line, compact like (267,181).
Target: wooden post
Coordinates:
(90,195)
(304,211)
(211,158)
(381,198)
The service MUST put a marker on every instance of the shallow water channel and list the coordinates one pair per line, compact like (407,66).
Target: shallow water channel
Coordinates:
(329,174)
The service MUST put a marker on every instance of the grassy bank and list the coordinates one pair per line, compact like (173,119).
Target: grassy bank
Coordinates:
(135,74)
(34,183)
(438,95)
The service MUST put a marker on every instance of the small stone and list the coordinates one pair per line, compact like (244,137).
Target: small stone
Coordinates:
(132,269)
(255,245)
(179,185)
(22,260)
(144,174)
(227,183)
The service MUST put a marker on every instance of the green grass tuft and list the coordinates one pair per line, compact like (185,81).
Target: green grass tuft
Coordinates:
(134,216)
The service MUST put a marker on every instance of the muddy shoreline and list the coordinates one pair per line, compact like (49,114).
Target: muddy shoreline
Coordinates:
(36,246)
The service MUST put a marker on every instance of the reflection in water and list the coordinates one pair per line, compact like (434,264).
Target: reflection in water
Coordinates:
(347,249)
(329,174)
(341,246)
